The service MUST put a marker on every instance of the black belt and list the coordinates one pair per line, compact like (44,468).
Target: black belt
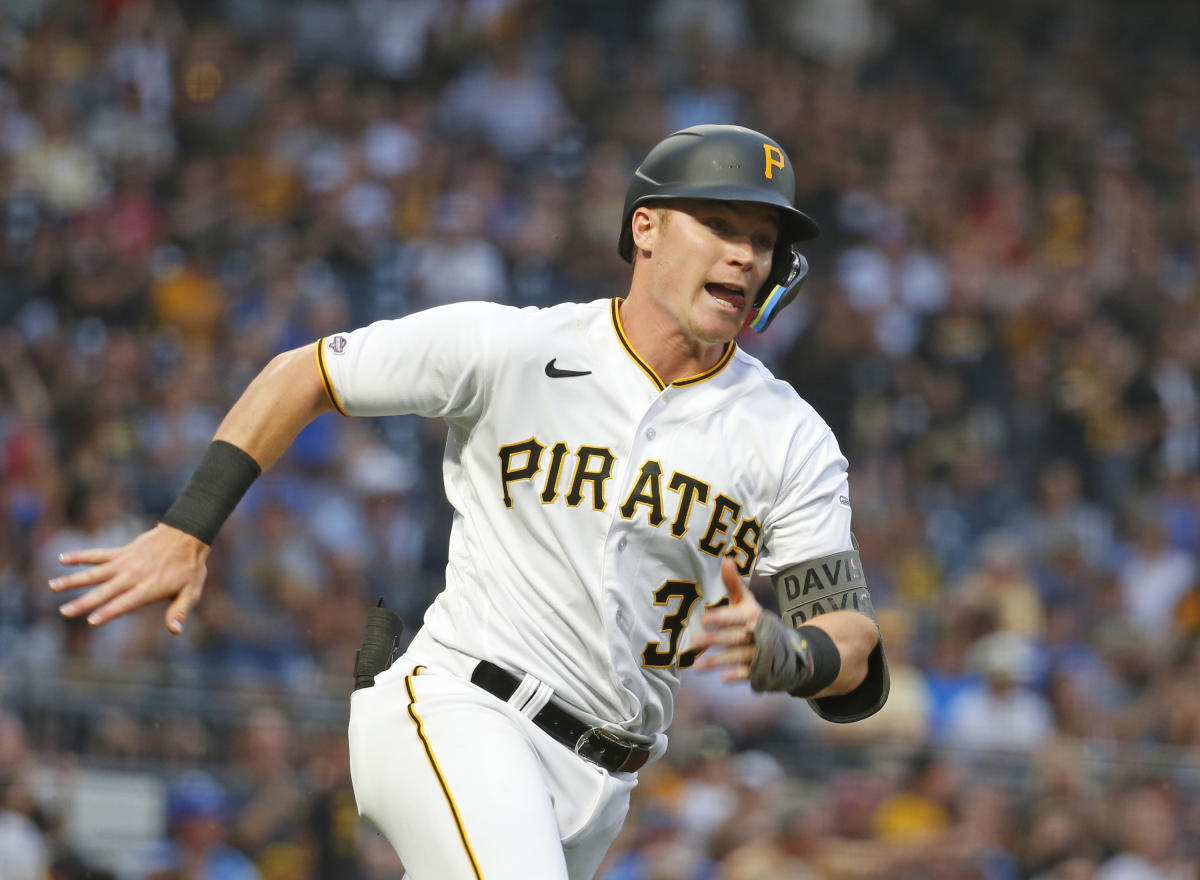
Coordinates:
(593,743)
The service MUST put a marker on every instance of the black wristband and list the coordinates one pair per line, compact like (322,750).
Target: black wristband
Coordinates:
(216,487)
(823,658)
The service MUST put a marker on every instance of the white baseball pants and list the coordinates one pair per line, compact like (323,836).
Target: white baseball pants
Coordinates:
(466,786)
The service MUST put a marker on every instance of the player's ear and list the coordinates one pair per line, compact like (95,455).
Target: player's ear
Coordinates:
(646,223)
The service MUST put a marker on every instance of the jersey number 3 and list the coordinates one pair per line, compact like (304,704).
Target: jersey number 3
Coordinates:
(658,655)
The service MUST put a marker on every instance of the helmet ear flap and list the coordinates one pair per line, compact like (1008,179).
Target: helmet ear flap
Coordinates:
(780,289)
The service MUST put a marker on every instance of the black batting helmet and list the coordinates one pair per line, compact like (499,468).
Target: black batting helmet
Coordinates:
(728,163)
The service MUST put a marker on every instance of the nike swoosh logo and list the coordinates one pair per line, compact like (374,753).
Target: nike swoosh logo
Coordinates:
(555,373)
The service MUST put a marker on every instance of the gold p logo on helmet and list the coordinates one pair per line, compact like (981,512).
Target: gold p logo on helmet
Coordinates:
(774,159)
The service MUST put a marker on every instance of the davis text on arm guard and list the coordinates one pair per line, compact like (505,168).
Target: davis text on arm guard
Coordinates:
(835,583)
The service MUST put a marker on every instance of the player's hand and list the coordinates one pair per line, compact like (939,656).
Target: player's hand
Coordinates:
(162,563)
(729,629)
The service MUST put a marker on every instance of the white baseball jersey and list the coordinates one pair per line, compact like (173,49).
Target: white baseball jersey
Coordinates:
(592,503)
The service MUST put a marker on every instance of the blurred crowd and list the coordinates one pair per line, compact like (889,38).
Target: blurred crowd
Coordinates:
(1002,326)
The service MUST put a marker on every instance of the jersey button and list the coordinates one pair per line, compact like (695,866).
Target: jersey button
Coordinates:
(651,433)
(621,544)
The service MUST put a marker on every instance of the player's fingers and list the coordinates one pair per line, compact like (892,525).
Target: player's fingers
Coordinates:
(94,598)
(741,655)
(733,580)
(181,607)
(91,556)
(133,596)
(743,615)
(86,578)
(725,635)
(737,656)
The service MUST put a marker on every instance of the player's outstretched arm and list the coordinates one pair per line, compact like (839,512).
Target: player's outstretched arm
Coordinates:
(732,632)
(170,561)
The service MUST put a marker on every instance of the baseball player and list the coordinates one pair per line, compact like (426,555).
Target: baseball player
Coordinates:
(618,469)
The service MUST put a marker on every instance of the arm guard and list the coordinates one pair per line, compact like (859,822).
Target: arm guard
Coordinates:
(836,583)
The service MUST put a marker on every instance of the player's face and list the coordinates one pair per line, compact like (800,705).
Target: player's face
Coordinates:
(712,257)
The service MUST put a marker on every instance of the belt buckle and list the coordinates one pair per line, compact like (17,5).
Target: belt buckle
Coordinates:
(593,733)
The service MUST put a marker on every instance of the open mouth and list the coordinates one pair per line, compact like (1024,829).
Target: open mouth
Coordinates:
(734,297)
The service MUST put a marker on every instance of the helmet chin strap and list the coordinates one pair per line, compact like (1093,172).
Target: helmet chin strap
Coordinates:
(780,294)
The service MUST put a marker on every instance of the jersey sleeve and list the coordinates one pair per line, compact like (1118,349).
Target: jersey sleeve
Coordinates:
(430,363)
(811,517)
(812,520)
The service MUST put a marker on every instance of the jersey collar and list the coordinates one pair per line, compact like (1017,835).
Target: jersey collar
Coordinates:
(726,355)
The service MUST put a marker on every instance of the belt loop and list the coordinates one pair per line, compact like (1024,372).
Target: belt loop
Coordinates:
(526,690)
(538,699)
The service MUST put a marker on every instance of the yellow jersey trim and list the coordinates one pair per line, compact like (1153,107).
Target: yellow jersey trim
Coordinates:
(726,357)
(437,771)
(329,392)
(637,359)
(722,362)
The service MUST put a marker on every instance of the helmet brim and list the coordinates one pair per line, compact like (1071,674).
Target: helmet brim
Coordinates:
(794,225)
